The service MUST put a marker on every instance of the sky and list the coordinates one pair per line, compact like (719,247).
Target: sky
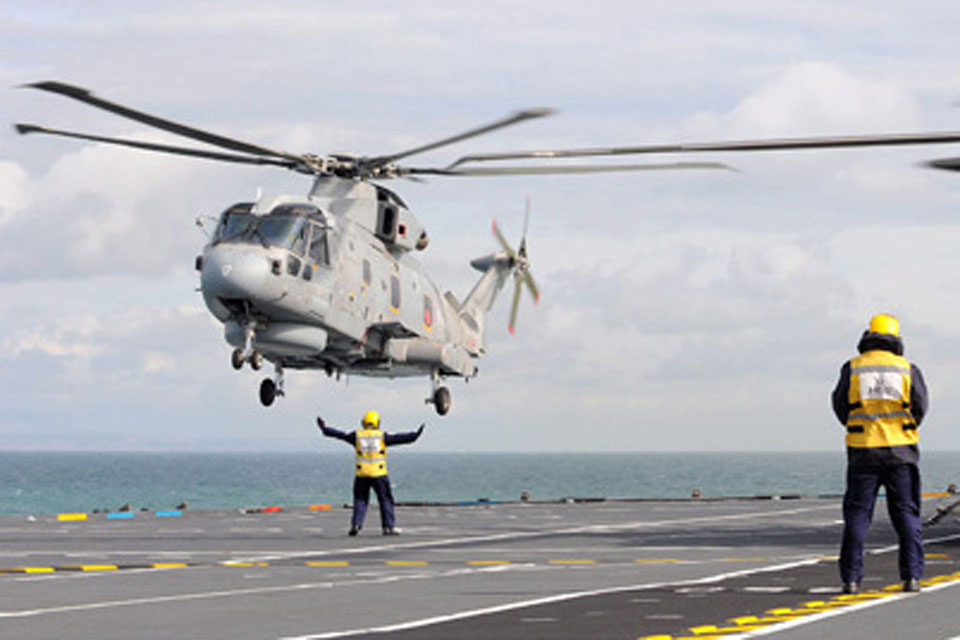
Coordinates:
(680,311)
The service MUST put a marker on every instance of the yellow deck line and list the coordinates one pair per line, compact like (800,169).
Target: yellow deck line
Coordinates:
(656,560)
(712,629)
(329,563)
(741,624)
(742,559)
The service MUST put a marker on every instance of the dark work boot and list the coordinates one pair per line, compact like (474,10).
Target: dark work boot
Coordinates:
(354,530)
(911,586)
(851,588)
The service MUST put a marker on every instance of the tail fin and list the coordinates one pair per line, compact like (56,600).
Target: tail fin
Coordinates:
(473,312)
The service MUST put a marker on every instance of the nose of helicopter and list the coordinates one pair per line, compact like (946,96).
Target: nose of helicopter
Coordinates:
(234,271)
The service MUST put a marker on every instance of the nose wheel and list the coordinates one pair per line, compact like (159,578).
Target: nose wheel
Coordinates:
(238,358)
(247,353)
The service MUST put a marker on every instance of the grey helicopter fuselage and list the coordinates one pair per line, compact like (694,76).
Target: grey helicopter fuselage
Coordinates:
(328,282)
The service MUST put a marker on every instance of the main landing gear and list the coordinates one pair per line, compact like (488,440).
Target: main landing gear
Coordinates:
(441,398)
(270,388)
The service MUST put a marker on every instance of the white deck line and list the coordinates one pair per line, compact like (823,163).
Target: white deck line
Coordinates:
(592,528)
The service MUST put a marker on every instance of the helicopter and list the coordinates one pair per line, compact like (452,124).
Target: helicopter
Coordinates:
(328,280)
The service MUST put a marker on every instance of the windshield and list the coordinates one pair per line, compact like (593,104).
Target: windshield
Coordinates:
(285,227)
(233,222)
(278,231)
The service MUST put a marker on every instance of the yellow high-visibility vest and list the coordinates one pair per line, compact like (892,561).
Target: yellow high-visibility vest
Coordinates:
(879,398)
(371,453)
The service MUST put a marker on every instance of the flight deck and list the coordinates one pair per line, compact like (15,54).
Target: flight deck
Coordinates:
(596,569)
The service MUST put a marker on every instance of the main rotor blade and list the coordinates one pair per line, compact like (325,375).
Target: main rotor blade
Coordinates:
(562,170)
(519,116)
(152,146)
(84,95)
(772,144)
(948,164)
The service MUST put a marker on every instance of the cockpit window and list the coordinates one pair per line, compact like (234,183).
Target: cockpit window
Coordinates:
(300,242)
(286,227)
(319,251)
(276,231)
(233,222)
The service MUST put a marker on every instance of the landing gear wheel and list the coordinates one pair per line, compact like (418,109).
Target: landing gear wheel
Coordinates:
(442,400)
(236,359)
(256,360)
(268,392)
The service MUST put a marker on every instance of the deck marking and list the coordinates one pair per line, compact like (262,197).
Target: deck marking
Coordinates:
(742,559)
(177,598)
(894,547)
(658,560)
(788,616)
(520,535)
(538,620)
(205,595)
(841,606)
(562,597)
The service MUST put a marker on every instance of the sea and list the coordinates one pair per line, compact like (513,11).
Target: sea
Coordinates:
(41,483)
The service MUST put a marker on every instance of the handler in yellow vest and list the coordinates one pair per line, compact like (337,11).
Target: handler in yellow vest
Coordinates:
(881,399)
(371,445)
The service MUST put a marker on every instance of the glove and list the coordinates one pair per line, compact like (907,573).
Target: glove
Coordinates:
(322,425)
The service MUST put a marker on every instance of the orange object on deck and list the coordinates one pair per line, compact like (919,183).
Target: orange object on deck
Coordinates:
(321,507)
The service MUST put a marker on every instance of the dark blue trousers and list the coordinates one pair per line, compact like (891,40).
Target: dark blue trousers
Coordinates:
(361,497)
(902,484)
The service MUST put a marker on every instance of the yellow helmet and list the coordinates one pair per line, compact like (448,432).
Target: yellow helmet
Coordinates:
(885,323)
(371,419)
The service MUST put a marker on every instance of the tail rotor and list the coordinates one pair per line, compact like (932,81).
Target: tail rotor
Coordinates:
(520,265)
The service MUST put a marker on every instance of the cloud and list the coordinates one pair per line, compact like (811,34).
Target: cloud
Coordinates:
(13,187)
(822,98)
